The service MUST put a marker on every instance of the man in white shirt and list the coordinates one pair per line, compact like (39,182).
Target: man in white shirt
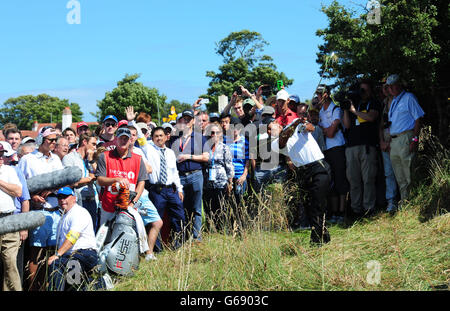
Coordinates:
(76,240)
(164,186)
(299,145)
(330,121)
(151,220)
(10,187)
(42,161)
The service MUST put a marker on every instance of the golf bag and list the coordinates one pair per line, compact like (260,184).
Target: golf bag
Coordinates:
(118,243)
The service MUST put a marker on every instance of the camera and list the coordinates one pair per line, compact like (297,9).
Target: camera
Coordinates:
(347,98)
(266,90)
(238,90)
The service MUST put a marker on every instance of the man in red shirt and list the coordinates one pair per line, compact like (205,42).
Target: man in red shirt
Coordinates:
(122,168)
(119,166)
(284,115)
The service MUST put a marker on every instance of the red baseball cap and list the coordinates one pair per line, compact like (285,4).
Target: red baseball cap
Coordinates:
(122,122)
(82,123)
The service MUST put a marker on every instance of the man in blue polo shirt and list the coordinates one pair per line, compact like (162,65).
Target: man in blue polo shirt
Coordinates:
(405,124)
(191,156)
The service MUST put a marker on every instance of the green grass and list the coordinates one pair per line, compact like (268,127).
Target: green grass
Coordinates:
(412,248)
(412,256)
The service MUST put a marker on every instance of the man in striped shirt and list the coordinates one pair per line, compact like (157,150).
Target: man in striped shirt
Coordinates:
(239,147)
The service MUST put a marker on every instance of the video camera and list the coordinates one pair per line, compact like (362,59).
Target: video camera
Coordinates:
(352,96)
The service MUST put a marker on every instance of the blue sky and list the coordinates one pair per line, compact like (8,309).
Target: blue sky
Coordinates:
(170,43)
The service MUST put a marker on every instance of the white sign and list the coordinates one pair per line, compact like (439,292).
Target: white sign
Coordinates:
(374,15)
(223,102)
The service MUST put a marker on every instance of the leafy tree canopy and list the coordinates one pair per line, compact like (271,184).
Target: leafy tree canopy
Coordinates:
(412,40)
(43,108)
(129,92)
(243,65)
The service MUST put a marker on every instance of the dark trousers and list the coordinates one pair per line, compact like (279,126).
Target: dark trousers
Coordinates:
(91,206)
(335,157)
(214,204)
(66,268)
(193,193)
(315,178)
(168,198)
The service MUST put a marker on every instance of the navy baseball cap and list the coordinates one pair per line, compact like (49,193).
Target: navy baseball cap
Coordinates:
(267,120)
(66,191)
(294,98)
(214,115)
(188,113)
(123,131)
(110,117)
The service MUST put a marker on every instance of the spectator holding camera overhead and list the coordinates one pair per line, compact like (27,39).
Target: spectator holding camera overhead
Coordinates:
(361,121)
(330,119)
(405,117)
(238,103)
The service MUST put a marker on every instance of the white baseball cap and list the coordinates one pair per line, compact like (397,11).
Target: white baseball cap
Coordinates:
(282,94)
(7,149)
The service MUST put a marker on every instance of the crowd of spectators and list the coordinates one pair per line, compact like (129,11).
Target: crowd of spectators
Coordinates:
(204,166)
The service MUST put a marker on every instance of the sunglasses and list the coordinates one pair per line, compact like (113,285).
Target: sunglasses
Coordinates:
(62,196)
(144,131)
(52,140)
(110,124)
(2,153)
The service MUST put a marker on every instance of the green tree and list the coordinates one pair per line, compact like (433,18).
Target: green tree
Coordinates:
(243,44)
(129,92)
(412,40)
(43,108)
(243,65)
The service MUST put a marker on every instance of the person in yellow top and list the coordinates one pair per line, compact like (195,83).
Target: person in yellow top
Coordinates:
(361,122)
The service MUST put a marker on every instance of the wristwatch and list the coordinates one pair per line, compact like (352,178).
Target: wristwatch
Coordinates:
(57,255)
